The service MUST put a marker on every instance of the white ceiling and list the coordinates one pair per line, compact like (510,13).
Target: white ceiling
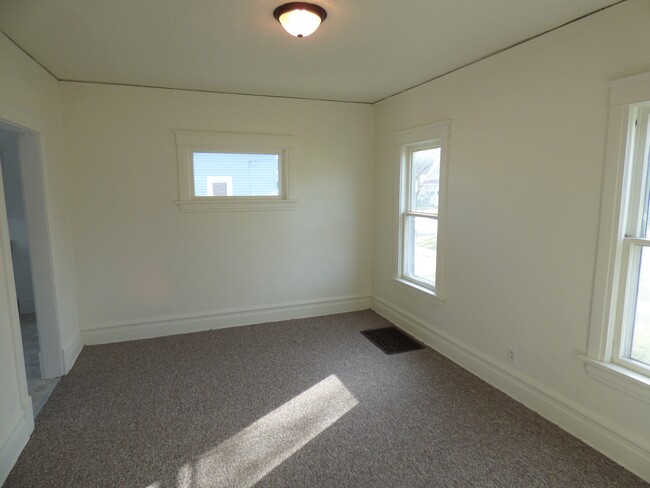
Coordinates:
(366,49)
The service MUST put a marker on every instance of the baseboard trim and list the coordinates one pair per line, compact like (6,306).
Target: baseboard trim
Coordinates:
(17,434)
(626,448)
(183,324)
(71,352)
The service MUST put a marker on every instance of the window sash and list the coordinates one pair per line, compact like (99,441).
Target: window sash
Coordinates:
(426,215)
(638,186)
(410,181)
(630,273)
(280,170)
(635,214)
(408,251)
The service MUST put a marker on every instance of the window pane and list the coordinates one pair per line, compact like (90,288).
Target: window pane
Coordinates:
(421,245)
(238,175)
(425,179)
(645,221)
(640,344)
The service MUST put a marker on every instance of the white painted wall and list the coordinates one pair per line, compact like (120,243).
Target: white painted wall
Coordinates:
(29,98)
(144,268)
(525,173)
(527,149)
(13,188)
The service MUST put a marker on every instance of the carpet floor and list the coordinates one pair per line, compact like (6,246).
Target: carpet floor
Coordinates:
(300,403)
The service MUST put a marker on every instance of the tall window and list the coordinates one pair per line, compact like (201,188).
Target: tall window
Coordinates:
(618,351)
(632,339)
(423,171)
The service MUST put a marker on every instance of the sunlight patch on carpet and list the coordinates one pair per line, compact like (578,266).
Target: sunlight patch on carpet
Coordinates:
(248,456)
(184,477)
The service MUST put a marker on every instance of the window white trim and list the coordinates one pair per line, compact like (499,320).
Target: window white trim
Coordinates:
(620,378)
(189,142)
(417,291)
(405,142)
(603,361)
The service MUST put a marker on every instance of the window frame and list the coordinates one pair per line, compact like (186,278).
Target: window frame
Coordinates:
(604,360)
(631,244)
(407,142)
(190,142)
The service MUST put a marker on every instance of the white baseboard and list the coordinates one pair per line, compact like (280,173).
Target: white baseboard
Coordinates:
(27,305)
(183,324)
(14,438)
(624,447)
(71,352)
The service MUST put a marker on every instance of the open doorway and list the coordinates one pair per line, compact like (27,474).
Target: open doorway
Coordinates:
(16,155)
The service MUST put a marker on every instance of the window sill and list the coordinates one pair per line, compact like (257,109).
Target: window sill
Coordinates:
(238,205)
(620,378)
(418,291)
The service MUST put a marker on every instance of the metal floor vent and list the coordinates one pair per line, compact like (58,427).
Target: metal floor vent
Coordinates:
(391,340)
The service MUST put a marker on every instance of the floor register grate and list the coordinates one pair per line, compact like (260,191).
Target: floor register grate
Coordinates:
(391,340)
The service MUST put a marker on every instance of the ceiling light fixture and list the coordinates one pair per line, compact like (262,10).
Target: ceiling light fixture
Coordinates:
(299,18)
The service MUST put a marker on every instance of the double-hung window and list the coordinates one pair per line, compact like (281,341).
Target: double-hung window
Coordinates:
(423,171)
(619,341)
(631,346)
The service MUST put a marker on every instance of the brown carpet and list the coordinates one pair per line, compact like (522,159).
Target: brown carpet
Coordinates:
(301,403)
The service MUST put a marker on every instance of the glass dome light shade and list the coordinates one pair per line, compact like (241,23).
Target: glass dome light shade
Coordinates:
(300,19)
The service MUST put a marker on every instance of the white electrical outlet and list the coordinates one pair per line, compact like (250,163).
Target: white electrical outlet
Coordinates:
(512,355)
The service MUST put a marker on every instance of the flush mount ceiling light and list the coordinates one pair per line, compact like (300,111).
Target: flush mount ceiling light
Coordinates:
(300,19)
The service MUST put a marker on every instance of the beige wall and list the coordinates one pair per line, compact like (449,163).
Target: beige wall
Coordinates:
(139,260)
(525,174)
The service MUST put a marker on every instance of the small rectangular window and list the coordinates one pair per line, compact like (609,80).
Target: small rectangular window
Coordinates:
(220,171)
(236,174)
(422,172)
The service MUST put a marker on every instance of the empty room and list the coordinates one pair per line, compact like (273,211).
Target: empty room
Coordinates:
(331,244)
